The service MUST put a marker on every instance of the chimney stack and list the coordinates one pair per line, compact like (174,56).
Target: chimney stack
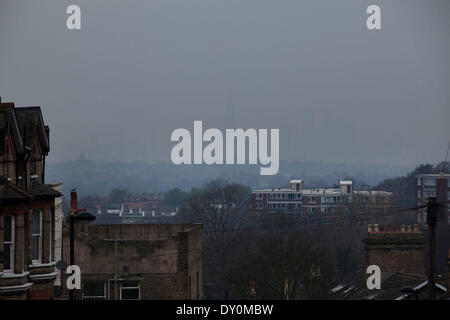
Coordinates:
(395,249)
(73,200)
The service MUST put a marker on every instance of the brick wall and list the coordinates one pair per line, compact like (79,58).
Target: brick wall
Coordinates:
(397,249)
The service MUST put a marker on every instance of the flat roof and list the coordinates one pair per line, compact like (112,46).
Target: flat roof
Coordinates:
(434,175)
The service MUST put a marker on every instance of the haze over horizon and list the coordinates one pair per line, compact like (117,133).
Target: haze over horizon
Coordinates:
(339,93)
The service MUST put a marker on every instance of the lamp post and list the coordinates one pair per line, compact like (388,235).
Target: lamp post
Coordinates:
(83,217)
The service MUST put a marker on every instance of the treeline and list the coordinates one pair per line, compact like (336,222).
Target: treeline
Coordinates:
(404,187)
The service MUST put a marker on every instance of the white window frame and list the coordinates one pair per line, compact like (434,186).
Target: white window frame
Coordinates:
(41,213)
(139,291)
(12,243)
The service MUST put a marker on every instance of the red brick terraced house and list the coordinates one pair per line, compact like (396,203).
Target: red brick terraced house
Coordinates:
(27,206)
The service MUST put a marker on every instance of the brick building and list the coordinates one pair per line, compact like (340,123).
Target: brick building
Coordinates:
(303,201)
(396,249)
(400,254)
(138,261)
(27,206)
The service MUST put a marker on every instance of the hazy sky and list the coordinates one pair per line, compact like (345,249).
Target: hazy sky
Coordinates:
(137,70)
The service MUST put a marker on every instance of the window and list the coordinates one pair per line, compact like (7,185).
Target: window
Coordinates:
(94,290)
(259,196)
(419,181)
(130,290)
(8,243)
(429,182)
(36,236)
(259,205)
(419,194)
(427,194)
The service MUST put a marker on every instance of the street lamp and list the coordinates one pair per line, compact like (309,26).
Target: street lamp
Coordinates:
(82,217)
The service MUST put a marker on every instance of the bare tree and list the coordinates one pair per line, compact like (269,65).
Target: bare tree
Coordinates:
(223,208)
(281,264)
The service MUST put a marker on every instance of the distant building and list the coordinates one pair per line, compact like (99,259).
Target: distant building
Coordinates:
(27,206)
(299,200)
(138,261)
(433,185)
(139,208)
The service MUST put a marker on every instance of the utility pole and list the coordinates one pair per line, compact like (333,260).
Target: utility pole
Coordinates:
(432,210)
(115,270)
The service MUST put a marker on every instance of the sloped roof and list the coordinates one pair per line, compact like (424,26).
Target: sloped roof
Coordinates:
(9,191)
(391,288)
(12,125)
(30,121)
(39,189)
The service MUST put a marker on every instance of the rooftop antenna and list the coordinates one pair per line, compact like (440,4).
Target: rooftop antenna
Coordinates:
(446,157)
